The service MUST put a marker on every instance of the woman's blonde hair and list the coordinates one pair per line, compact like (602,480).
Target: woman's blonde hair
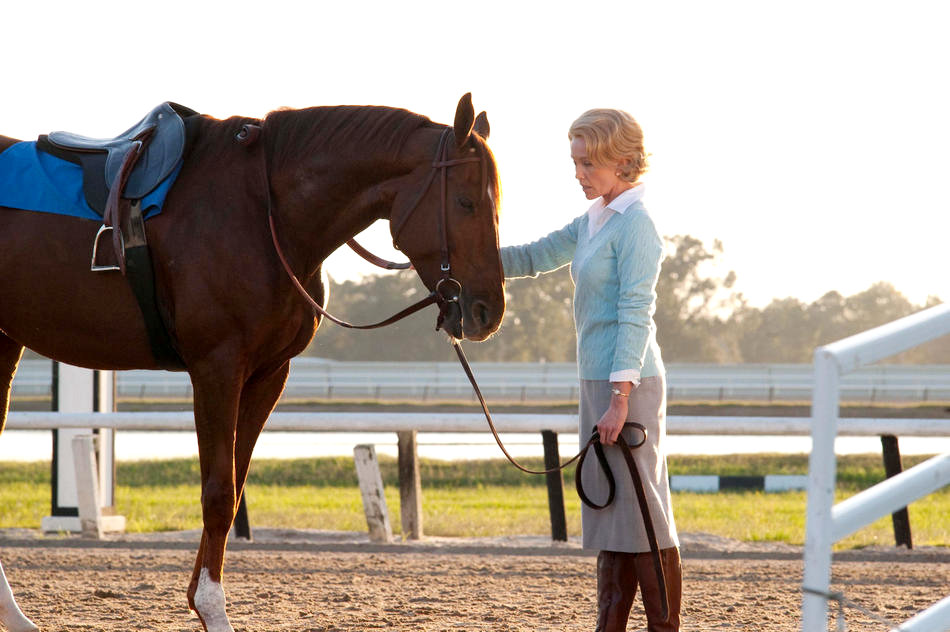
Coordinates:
(612,136)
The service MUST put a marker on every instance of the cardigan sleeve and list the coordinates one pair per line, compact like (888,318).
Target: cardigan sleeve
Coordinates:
(639,255)
(544,255)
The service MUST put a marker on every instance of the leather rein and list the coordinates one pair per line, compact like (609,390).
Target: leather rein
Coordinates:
(446,292)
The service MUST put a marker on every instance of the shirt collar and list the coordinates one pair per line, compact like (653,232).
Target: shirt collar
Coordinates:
(623,201)
(620,203)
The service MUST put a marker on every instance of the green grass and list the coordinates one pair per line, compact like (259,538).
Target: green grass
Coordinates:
(473,498)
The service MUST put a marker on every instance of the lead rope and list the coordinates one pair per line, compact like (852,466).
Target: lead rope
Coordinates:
(433,297)
(491,424)
(627,452)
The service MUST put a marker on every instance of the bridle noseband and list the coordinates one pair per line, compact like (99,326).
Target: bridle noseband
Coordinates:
(447,289)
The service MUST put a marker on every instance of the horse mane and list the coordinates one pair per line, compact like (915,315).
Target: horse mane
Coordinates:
(293,134)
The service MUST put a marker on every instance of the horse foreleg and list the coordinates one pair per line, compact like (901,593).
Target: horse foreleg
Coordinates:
(223,472)
(216,406)
(10,614)
(257,402)
(10,352)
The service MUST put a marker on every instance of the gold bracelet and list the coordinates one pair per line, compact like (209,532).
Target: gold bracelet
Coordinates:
(617,391)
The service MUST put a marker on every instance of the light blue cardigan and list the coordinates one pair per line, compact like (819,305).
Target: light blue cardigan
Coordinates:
(615,275)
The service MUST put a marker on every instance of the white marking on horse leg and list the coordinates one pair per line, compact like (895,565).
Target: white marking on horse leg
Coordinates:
(210,604)
(10,614)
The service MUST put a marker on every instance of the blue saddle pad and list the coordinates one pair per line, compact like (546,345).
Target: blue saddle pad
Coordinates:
(33,180)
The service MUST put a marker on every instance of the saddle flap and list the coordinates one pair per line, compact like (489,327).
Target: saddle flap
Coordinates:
(160,158)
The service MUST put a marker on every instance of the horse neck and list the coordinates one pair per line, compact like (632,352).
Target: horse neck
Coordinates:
(324,199)
(318,213)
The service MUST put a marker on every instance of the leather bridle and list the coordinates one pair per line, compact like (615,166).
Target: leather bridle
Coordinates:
(447,289)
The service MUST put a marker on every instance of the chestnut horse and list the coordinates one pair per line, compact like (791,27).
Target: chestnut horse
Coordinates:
(235,318)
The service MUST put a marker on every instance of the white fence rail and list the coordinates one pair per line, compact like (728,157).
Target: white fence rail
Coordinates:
(351,422)
(434,381)
(826,522)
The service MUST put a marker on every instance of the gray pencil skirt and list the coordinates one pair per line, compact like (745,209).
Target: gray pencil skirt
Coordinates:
(620,526)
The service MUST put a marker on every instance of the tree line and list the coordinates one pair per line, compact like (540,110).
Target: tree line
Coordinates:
(700,317)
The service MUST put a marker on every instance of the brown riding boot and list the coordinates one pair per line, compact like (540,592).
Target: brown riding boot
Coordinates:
(616,588)
(650,589)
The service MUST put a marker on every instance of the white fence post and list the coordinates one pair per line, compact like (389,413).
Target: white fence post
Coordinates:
(79,390)
(827,523)
(371,489)
(92,521)
(87,485)
(822,475)
(410,486)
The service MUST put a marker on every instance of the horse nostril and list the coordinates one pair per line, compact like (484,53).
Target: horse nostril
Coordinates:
(481,313)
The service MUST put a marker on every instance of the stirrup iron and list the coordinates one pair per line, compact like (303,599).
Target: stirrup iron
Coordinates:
(95,249)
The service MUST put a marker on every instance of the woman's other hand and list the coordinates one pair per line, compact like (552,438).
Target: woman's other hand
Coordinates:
(611,422)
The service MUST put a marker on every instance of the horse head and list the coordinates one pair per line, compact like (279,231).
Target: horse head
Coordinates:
(331,172)
(444,217)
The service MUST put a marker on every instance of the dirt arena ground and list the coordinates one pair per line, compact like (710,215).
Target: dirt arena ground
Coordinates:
(322,582)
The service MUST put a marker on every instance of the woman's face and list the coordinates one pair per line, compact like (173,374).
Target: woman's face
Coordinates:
(596,181)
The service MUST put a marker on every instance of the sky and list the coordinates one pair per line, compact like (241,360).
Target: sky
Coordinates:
(811,138)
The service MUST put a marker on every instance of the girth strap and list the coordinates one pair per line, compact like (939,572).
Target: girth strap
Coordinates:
(141,279)
(125,218)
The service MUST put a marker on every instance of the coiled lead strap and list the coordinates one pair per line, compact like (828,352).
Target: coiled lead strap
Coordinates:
(627,451)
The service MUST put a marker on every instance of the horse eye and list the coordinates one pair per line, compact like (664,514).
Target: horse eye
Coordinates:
(466,204)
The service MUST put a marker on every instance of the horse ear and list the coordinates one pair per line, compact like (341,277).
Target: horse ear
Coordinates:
(482,128)
(464,119)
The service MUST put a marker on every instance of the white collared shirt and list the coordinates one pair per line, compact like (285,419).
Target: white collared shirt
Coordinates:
(599,213)
(597,216)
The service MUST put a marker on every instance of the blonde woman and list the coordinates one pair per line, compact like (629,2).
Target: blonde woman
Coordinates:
(615,254)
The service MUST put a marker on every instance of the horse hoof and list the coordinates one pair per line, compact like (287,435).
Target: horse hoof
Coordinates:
(17,622)
(13,620)
(209,603)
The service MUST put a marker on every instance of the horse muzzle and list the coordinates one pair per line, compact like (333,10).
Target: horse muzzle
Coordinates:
(463,316)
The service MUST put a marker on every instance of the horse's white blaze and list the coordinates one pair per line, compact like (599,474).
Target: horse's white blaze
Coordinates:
(10,615)
(210,604)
